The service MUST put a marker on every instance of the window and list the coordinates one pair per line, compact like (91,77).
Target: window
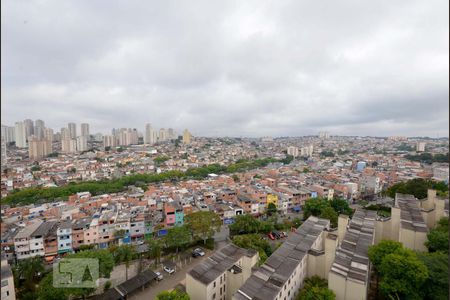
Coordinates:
(214,284)
(4,283)
(214,296)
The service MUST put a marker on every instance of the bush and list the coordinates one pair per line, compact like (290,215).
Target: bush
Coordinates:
(107,285)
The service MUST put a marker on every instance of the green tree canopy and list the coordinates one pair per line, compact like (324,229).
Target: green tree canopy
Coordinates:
(177,237)
(254,241)
(271,209)
(203,224)
(436,286)
(245,224)
(314,207)
(438,237)
(105,258)
(316,288)
(330,214)
(341,207)
(172,295)
(378,252)
(417,187)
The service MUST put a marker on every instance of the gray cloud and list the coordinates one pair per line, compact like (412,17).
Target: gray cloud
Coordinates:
(229,68)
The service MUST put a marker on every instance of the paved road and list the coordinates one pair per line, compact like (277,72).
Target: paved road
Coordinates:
(169,281)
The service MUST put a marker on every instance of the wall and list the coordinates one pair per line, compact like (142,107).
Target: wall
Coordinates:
(194,288)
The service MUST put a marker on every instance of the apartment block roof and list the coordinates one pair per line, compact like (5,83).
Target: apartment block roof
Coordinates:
(410,214)
(351,260)
(268,280)
(219,262)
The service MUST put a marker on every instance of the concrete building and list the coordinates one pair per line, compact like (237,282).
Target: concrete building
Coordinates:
(39,127)
(48,135)
(187,137)
(23,238)
(349,276)
(324,135)
(72,130)
(69,145)
(21,135)
(162,135)
(65,133)
(7,280)
(29,128)
(38,148)
(8,134)
(82,143)
(85,130)
(220,275)
(149,135)
(109,141)
(360,166)
(309,251)
(291,150)
(64,234)
(4,157)
(420,146)
(307,151)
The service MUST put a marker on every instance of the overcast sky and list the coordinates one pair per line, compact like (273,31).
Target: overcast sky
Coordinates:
(229,68)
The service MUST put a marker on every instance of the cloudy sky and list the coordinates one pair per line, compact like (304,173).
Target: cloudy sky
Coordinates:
(229,68)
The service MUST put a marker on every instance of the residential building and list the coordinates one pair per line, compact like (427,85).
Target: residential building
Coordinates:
(349,276)
(72,130)
(23,238)
(8,133)
(4,157)
(309,251)
(38,148)
(149,135)
(39,127)
(82,143)
(7,280)
(21,135)
(48,135)
(69,145)
(291,150)
(85,130)
(420,146)
(29,128)
(186,137)
(64,237)
(220,276)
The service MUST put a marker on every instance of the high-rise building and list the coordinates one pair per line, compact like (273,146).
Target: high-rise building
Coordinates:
(98,137)
(109,141)
(149,135)
(85,130)
(187,137)
(420,146)
(291,150)
(324,135)
(39,127)
(48,135)
(82,143)
(69,145)
(29,128)
(171,134)
(127,136)
(162,135)
(21,135)
(4,157)
(8,134)
(38,148)
(65,133)
(57,137)
(72,130)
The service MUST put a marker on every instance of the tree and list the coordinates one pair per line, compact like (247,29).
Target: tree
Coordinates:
(436,286)
(316,288)
(314,207)
(341,207)
(29,270)
(203,224)
(105,259)
(271,209)
(438,237)
(254,241)
(402,275)
(245,224)
(378,252)
(125,254)
(329,213)
(172,295)
(178,237)
(47,291)
(154,249)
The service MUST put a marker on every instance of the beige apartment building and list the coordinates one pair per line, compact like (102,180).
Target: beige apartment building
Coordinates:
(7,280)
(411,220)
(38,148)
(220,276)
(307,252)
(350,273)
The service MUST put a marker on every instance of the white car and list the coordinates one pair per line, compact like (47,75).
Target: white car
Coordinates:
(159,276)
(168,270)
(198,252)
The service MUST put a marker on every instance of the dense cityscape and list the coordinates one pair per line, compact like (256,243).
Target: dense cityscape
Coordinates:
(145,198)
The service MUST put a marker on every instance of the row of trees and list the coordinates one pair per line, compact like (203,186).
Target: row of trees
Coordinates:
(327,209)
(316,288)
(255,242)
(405,274)
(245,224)
(417,187)
(32,195)
(428,157)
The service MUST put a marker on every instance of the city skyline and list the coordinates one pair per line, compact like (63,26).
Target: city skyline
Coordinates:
(222,69)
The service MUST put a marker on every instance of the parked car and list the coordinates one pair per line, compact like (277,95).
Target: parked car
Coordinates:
(198,252)
(270,235)
(168,270)
(276,235)
(159,276)
(285,234)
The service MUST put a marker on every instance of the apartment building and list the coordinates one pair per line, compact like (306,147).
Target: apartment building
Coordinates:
(220,276)
(44,237)
(350,273)
(23,238)
(64,237)
(307,252)
(78,228)
(7,282)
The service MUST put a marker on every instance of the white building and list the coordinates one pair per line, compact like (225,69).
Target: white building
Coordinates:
(21,135)
(7,291)
(72,130)
(8,134)
(420,146)
(291,150)
(85,130)
(82,143)
(64,237)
